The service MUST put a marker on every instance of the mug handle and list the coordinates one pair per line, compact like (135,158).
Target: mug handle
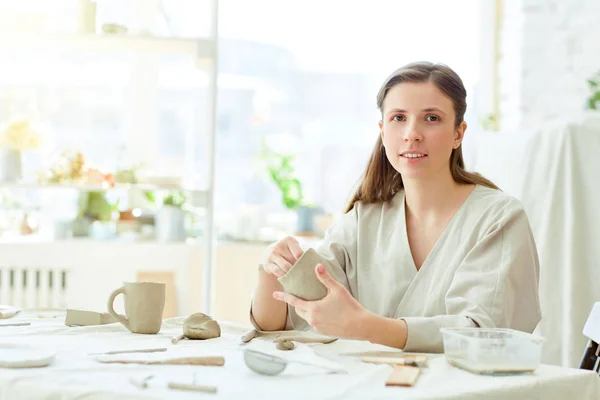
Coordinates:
(111,309)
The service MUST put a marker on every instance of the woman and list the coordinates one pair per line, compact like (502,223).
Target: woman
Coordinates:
(423,243)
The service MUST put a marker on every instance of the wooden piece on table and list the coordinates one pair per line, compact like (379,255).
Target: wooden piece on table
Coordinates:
(214,361)
(195,388)
(167,277)
(403,376)
(415,361)
(414,357)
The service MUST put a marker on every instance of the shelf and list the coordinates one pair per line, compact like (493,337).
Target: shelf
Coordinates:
(197,197)
(89,187)
(19,42)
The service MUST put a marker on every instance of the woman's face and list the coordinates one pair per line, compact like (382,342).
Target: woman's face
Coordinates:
(418,130)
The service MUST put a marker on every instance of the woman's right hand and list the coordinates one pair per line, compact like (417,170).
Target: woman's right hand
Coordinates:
(280,256)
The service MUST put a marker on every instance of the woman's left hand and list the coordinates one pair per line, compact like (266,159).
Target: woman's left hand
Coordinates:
(337,314)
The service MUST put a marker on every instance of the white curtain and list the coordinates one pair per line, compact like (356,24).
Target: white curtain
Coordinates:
(555,172)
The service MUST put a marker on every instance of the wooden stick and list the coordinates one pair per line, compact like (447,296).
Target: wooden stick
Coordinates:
(413,361)
(196,388)
(215,361)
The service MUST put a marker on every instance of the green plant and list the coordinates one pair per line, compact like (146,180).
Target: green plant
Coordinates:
(175,199)
(95,205)
(593,101)
(282,173)
(151,197)
(489,122)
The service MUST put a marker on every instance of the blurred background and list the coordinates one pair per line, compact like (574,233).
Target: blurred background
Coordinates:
(173,140)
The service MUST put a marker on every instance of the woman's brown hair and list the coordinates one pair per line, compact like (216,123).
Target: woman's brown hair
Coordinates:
(380,181)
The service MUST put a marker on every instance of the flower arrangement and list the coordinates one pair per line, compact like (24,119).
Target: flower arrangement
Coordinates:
(72,167)
(20,134)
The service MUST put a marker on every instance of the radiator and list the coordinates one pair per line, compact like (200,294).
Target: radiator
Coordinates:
(34,287)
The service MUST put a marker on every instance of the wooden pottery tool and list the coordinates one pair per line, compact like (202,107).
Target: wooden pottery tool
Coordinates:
(415,361)
(212,361)
(403,376)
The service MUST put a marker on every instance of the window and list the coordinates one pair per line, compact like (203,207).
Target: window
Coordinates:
(316,67)
(300,76)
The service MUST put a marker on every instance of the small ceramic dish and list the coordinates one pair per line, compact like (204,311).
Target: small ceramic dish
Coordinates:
(23,356)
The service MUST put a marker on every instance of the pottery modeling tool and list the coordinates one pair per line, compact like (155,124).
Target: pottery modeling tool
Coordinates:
(195,388)
(130,351)
(212,361)
(403,376)
(17,324)
(415,361)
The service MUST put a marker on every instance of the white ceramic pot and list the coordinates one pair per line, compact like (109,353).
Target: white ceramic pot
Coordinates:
(10,165)
(170,224)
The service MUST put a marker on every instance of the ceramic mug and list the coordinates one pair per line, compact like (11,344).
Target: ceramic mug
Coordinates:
(144,304)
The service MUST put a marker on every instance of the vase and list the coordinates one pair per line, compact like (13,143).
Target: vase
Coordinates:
(170,224)
(305,221)
(81,227)
(10,165)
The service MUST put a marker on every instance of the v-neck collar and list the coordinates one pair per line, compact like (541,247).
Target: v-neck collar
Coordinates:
(436,246)
(416,275)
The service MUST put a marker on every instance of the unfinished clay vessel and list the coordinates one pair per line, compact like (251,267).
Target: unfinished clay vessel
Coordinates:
(301,280)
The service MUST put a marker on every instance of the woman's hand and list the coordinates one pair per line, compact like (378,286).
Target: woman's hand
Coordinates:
(280,256)
(337,314)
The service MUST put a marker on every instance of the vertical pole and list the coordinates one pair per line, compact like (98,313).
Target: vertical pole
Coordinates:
(209,247)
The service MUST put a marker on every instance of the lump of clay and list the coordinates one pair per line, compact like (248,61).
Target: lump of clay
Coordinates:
(201,326)
(285,345)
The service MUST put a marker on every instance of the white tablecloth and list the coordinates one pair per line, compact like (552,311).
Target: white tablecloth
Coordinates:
(555,172)
(77,375)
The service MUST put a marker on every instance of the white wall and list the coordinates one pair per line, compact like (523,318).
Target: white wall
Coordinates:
(548,49)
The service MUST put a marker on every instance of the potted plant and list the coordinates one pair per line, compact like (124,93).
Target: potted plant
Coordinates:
(281,171)
(96,216)
(16,136)
(170,218)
